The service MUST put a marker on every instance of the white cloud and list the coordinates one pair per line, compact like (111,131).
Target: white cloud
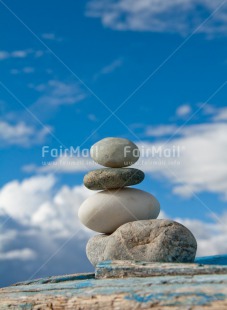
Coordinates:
(39,87)
(201,166)
(207,109)
(112,67)
(48,36)
(35,202)
(22,254)
(19,54)
(216,114)
(15,54)
(4,55)
(41,229)
(176,16)
(220,114)
(92,117)
(57,93)
(21,134)
(183,110)
(26,70)
(51,36)
(109,68)
(28,195)
(38,53)
(160,131)
(64,164)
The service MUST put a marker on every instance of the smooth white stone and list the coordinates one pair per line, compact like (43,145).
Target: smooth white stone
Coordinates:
(115,152)
(107,210)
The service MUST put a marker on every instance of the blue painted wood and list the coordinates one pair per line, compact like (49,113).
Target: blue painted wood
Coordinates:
(83,291)
(57,279)
(212,260)
(128,292)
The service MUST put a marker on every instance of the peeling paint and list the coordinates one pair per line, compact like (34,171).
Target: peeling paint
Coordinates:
(199,298)
(169,287)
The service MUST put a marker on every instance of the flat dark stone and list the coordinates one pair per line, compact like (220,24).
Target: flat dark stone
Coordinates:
(109,178)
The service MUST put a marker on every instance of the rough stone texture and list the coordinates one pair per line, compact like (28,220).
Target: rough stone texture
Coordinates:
(107,210)
(168,291)
(149,240)
(115,152)
(109,178)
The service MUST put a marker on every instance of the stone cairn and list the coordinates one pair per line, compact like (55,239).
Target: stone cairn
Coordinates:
(127,217)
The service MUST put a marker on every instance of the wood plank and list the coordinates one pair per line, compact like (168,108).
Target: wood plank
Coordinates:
(84,291)
(123,269)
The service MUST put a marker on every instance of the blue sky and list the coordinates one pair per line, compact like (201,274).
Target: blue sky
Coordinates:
(65,69)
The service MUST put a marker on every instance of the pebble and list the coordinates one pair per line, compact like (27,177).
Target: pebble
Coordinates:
(115,152)
(149,241)
(105,211)
(108,178)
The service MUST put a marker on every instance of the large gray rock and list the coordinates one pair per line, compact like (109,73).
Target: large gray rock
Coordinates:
(108,178)
(148,240)
(115,152)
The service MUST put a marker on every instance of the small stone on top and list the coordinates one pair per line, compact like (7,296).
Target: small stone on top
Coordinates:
(115,152)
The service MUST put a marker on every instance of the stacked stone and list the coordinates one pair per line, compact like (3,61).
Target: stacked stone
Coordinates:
(127,217)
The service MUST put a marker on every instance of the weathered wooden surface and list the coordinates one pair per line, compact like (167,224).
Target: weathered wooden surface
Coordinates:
(123,269)
(83,291)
